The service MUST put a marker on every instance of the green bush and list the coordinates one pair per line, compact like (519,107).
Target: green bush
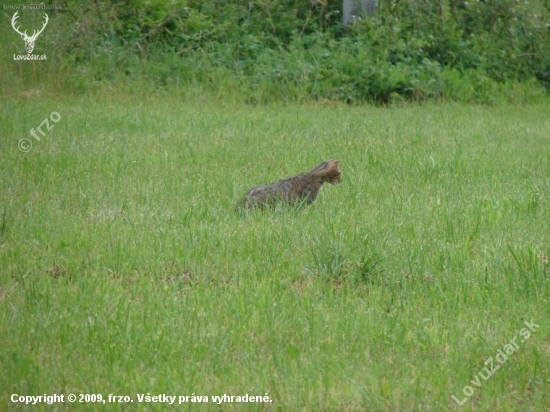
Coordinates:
(294,50)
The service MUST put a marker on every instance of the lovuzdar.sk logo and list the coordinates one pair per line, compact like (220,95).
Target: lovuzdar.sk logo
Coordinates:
(29,40)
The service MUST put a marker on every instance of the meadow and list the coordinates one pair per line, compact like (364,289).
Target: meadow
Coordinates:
(125,269)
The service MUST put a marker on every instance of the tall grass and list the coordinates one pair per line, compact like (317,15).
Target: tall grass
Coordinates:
(125,269)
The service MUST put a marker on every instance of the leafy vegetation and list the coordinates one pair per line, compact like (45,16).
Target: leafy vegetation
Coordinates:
(477,51)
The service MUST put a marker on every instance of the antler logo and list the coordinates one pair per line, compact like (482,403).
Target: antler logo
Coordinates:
(29,40)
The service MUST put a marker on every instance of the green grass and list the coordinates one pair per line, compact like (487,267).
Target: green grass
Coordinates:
(125,270)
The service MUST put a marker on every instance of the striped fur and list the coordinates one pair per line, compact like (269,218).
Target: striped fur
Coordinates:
(302,188)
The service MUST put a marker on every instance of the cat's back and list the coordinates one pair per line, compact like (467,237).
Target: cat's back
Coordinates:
(299,188)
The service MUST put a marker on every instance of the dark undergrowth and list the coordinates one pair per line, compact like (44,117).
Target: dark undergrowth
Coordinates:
(288,50)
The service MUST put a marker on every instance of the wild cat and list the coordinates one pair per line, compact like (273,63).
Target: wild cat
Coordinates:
(300,189)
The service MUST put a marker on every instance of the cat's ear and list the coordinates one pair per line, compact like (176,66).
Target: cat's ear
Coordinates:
(334,164)
(333,174)
(325,168)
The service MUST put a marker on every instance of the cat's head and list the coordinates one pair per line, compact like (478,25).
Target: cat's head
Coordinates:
(329,172)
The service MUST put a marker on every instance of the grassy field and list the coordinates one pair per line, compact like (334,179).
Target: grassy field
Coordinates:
(125,269)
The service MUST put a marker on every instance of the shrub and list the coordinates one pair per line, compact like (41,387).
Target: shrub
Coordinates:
(295,50)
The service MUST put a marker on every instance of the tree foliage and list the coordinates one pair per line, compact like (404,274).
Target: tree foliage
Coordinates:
(408,49)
